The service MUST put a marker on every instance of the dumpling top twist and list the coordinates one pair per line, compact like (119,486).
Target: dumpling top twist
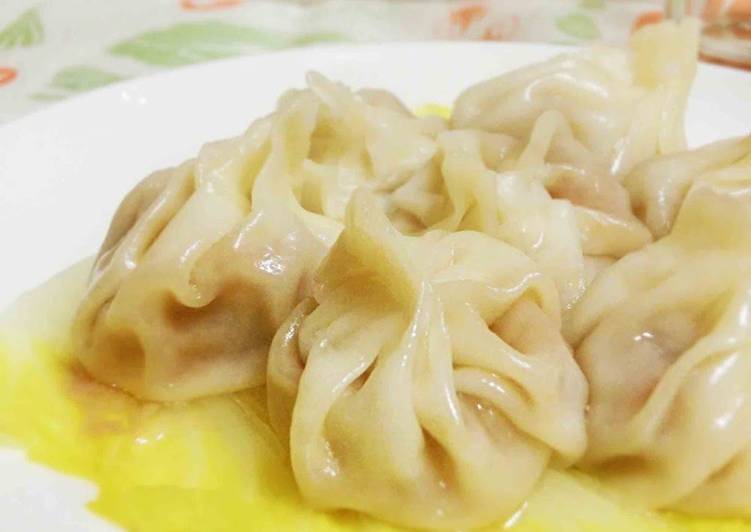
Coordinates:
(426,382)
(664,338)
(203,262)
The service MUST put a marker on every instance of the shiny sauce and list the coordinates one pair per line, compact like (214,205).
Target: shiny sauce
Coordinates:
(212,463)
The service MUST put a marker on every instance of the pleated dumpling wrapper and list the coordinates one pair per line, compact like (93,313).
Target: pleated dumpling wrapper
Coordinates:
(201,265)
(426,382)
(664,337)
(658,186)
(625,107)
(548,197)
(370,140)
(203,262)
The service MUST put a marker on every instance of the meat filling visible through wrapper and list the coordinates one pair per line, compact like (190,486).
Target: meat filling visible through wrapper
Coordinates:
(426,382)
(665,341)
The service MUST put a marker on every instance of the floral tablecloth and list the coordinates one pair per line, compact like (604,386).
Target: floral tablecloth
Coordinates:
(53,49)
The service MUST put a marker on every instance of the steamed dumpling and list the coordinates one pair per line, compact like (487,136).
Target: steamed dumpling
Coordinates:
(204,262)
(513,206)
(367,140)
(549,198)
(664,337)
(570,171)
(624,108)
(658,186)
(426,382)
(201,265)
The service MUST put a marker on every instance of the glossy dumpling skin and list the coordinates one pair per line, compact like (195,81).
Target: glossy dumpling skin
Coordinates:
(623,107)
(426,382)
(658,186)
(201,265)
(664,338)
(204,262)
(368,139)
(548,196)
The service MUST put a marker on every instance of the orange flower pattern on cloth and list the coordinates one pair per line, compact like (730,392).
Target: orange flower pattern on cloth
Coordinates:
(466,15)
(733,9)
(207,5)
(44,41)
(502,32)
(480,22)
(648,17)
(7,75)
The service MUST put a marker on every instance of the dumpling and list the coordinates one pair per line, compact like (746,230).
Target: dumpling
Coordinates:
(624,108)
(426,381)
(549,198)
(428,178)
(658,186)
(203,262)
(369,140)
(201,265)
(513,206)
(569,171)
(664,338)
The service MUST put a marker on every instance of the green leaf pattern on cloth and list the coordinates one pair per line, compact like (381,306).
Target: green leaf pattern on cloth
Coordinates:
(26,30)
(75,79)
(47,96)
(83,78)
(592,4)
(44,43)
(578,25)
(188,43)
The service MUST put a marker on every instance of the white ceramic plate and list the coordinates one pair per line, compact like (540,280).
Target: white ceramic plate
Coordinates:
(64,170)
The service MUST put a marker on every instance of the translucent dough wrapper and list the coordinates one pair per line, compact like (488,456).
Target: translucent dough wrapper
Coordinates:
(549,198)
(623,107)
(367,140)
(658,186)
(426,381)
(664,339)
(204,262)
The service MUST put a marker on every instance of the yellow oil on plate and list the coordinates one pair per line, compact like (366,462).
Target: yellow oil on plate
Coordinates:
(214,463)
(211,464)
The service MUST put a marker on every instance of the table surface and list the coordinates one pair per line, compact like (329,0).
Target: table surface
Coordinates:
(51,50)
